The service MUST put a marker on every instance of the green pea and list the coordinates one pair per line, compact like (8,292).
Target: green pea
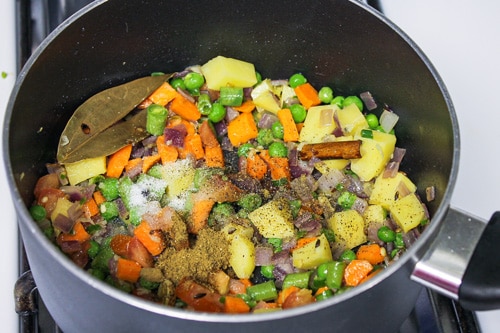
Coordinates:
(277,130)
(193,80)
(278,149)
(38,212)
(325,95)
(93,249)
(353,100)
(398,241)
(265,137)
(109,210)
(244,149)
(267,271)
(339,101)
(296,80)
(258,76)
(178,82)
(298,112)
(372,120)
(346,199)
(348,255)
(217,113)
(386,234)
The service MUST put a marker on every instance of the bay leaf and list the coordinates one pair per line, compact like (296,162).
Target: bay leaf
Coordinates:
(100,113)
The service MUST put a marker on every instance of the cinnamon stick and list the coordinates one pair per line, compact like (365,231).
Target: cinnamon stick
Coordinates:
(331,150)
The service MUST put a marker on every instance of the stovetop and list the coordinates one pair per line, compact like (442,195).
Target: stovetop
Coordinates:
(433,313)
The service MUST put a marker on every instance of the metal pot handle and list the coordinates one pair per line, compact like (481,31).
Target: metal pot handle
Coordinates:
(460,263)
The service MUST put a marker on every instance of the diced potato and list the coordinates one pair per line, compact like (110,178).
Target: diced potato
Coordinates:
(312,254)
(385,190)
(62,206)
(263,97)
(179,176)
(351,120)
(374,213)
(232,229)
(273,219)
(407,212)
(242,256)
(375,153)
(348,227)
(318,124)
(220,281)
(222,72)
(85,169)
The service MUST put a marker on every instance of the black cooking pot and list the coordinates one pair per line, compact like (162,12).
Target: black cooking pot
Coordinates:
(343,44)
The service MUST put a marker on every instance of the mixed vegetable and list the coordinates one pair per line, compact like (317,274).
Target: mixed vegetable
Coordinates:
(227,192)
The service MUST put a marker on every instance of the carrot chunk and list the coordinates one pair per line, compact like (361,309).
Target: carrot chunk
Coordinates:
(356,271)
(307,95)
(290,132)
(242,129)
(152,240)
(372,253)
(118,161)
(128,270)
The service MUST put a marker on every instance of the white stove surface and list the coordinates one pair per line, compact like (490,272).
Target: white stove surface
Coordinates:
(461,40)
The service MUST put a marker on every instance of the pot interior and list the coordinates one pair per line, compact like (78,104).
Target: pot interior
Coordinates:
(336,43)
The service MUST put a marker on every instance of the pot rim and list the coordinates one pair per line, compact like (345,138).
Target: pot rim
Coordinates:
(413,253)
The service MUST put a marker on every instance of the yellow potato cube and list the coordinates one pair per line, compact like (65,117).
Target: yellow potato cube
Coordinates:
(222,72)
(85,169)
(348,227)
(407,212)
(232,229)
(375,154)
(351,120)
(318,124)
(273,219)
(179,176)
(374,213)
(242,256)
(385,190)
(312,254)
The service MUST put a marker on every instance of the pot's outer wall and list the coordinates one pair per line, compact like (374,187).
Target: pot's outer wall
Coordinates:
(336,43)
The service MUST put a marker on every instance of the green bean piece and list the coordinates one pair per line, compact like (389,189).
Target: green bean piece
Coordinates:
(204,104)
(367,133)
(267,271)
(217,113)
(258,76)
(323,268)
(278,149)
(277,130)
(265,291)
(353,100)
(298,112)
(156,119)
(300,280)
(386,234)
(147,284)
(335,275)
(325,95)
(325,294)
(109,188)
(296,80)
(38,212)
(231,96)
